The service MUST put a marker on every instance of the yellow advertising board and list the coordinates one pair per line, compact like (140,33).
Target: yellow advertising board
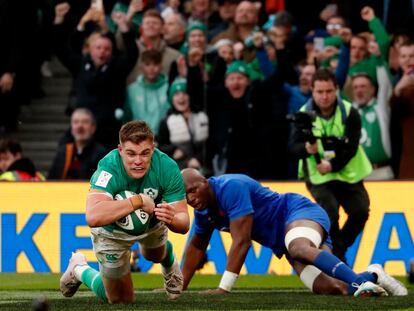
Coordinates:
(42,223)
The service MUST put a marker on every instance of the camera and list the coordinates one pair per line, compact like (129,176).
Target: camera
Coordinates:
(303,121)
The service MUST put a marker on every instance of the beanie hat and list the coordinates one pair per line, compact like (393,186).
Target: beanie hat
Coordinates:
(179,85)
(238,66)
(194,26)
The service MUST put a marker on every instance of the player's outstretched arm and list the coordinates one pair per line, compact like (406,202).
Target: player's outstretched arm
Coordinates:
(194,255)
(175,215)
(240,230)
(102,210)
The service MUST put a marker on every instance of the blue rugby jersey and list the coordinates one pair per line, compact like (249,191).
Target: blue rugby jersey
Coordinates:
(239,195)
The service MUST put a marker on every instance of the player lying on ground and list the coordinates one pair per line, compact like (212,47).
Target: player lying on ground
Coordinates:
(289,224)
(138,167)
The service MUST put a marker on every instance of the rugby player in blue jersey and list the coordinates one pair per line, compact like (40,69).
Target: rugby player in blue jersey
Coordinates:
(289,224)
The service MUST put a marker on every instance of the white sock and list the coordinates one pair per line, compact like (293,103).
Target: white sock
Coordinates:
(78,270)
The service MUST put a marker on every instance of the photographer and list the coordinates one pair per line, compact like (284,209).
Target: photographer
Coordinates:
(334,164)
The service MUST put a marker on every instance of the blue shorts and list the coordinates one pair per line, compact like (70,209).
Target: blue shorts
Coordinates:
(299,207)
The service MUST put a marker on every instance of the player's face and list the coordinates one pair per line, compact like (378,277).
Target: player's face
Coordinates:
(198,194)
(136,157)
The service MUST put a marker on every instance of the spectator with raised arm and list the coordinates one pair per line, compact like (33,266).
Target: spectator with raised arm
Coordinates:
(99,76)
(151,39)
(372,101)
(360,58)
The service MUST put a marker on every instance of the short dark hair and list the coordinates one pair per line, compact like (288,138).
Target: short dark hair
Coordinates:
(324,74)
(136,132)
(151,56)
(283,19)
(10,145)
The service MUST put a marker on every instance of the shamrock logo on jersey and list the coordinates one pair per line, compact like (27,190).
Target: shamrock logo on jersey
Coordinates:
(152,193)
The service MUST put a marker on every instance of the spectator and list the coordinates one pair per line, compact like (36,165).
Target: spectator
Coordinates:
(226,11)
(199,11)
(195,44)
(397,41)
(299,94)
(174,30)
(15,167)
(78,159)
(372,102)
(147,97)
(151,39)
(283,32)
(196,37)
(240,110)
(334,166)
(245,21)
(334,24)
(360,58)
(183,133)
(99,75)
(402,103)
(224,48)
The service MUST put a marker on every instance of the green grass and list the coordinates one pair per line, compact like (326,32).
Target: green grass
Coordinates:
(268,292)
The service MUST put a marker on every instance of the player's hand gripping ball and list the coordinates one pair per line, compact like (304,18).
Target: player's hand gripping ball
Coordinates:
(135,223)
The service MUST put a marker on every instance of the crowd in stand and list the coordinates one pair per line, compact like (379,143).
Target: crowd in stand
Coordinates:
(215,79)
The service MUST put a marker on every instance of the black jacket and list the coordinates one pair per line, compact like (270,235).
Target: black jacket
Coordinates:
(88,161)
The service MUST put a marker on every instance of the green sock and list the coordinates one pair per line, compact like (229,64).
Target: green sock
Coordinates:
(169,256)
(93,280)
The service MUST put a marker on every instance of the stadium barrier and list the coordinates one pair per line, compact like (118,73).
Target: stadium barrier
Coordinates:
(42,223)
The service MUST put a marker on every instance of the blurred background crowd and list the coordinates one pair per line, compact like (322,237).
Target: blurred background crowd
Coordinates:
(215,79)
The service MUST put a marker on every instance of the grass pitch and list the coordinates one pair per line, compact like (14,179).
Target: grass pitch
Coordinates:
(253,292)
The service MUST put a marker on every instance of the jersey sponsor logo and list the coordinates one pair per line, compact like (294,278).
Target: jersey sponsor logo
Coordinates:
(111,257)
(103,179)
(151,192)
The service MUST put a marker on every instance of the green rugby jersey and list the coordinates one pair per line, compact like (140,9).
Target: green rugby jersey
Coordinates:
(162,182)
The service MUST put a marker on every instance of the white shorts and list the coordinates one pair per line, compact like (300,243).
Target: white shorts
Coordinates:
(114,253)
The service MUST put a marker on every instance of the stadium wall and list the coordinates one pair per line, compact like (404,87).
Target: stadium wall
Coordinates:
(42,223)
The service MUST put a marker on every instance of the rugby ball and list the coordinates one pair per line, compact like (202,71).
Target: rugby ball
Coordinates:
(135,223)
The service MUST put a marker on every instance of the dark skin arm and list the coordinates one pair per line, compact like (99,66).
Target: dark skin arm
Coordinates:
(240,230)
(194,255)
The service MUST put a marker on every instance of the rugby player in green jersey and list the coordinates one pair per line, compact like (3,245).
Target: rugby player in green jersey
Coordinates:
(135,166)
